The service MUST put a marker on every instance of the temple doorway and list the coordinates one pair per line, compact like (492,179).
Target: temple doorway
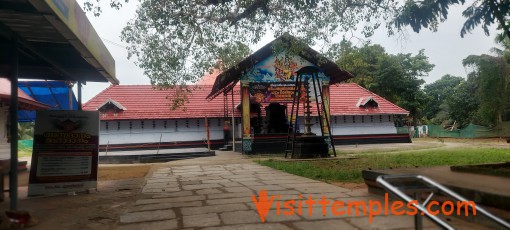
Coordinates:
(276,118)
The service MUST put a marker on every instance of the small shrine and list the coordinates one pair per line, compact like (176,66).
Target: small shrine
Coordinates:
(284,98)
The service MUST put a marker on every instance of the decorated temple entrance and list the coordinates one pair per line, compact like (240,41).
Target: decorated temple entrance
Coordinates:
(268,80)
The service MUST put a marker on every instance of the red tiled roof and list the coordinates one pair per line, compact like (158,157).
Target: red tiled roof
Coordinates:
(209,78)
(144,102)
(344,98)
(25,101)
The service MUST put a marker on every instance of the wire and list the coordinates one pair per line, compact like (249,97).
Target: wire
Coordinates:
(114,43)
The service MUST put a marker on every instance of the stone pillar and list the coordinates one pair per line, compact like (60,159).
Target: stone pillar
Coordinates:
(245,102)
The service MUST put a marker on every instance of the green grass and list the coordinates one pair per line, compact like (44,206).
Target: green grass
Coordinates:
(349,170)
(395,149)
(24,151)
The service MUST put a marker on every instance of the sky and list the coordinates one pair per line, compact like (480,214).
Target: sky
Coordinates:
(445,48)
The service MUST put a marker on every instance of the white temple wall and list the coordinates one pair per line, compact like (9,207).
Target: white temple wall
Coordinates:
(150,131)
(360,125)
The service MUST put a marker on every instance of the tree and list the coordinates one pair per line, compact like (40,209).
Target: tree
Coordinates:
(362,62)
(177,41)
(438,92)
(398,78)
(25,130)
(491,76)
(429,13)
(461,104)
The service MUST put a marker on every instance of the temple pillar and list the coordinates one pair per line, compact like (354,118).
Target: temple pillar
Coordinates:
(245,102)
(326,114)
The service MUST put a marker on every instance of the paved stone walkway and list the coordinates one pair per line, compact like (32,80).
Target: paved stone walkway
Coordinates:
(219,196)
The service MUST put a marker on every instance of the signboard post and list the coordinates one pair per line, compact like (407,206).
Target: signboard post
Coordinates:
(65,153)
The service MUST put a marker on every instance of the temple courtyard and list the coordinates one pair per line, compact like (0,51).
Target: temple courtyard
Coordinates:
(209,193)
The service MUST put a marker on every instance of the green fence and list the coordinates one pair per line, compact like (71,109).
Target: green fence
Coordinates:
(25,144)
(401,130)
(471,131)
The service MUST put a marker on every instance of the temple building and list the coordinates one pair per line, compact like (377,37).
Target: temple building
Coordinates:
(275,81)
(255,100)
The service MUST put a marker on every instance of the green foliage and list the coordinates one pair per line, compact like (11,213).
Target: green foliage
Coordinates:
(362,62)
(96,8)
(424,14)
(484,99)
(176,42)
(429,13)
(25,148)
(491,76)
(438,92)
(397,78)
(349,170)
(25,131)
(462,104)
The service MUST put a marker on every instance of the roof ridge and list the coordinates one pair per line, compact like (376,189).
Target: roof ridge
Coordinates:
(97,95)
(378,96)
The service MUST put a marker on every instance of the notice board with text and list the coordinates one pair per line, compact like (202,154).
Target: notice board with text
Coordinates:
(65,152)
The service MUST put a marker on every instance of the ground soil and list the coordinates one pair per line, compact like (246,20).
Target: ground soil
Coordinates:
(117,172)
(349,185)
(118,186)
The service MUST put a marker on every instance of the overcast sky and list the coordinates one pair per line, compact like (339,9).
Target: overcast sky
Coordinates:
(445,48)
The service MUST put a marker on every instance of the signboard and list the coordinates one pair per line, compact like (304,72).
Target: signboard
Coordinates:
(65,153)
(272,92)
(275,92)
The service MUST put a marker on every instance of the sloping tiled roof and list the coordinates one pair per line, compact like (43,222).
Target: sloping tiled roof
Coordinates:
(144,102)
(231,76)
(25,101)
(111,101)
(344,99)
(208,78)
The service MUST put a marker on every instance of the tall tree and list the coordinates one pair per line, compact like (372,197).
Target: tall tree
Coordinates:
(397,78)
(491,76)
(177,41)
(438,92)
(362,62)
(462,104)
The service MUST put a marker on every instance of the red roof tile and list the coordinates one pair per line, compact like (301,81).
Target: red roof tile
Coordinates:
(25,101)
(144,102)
(344,98)
(209,78)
